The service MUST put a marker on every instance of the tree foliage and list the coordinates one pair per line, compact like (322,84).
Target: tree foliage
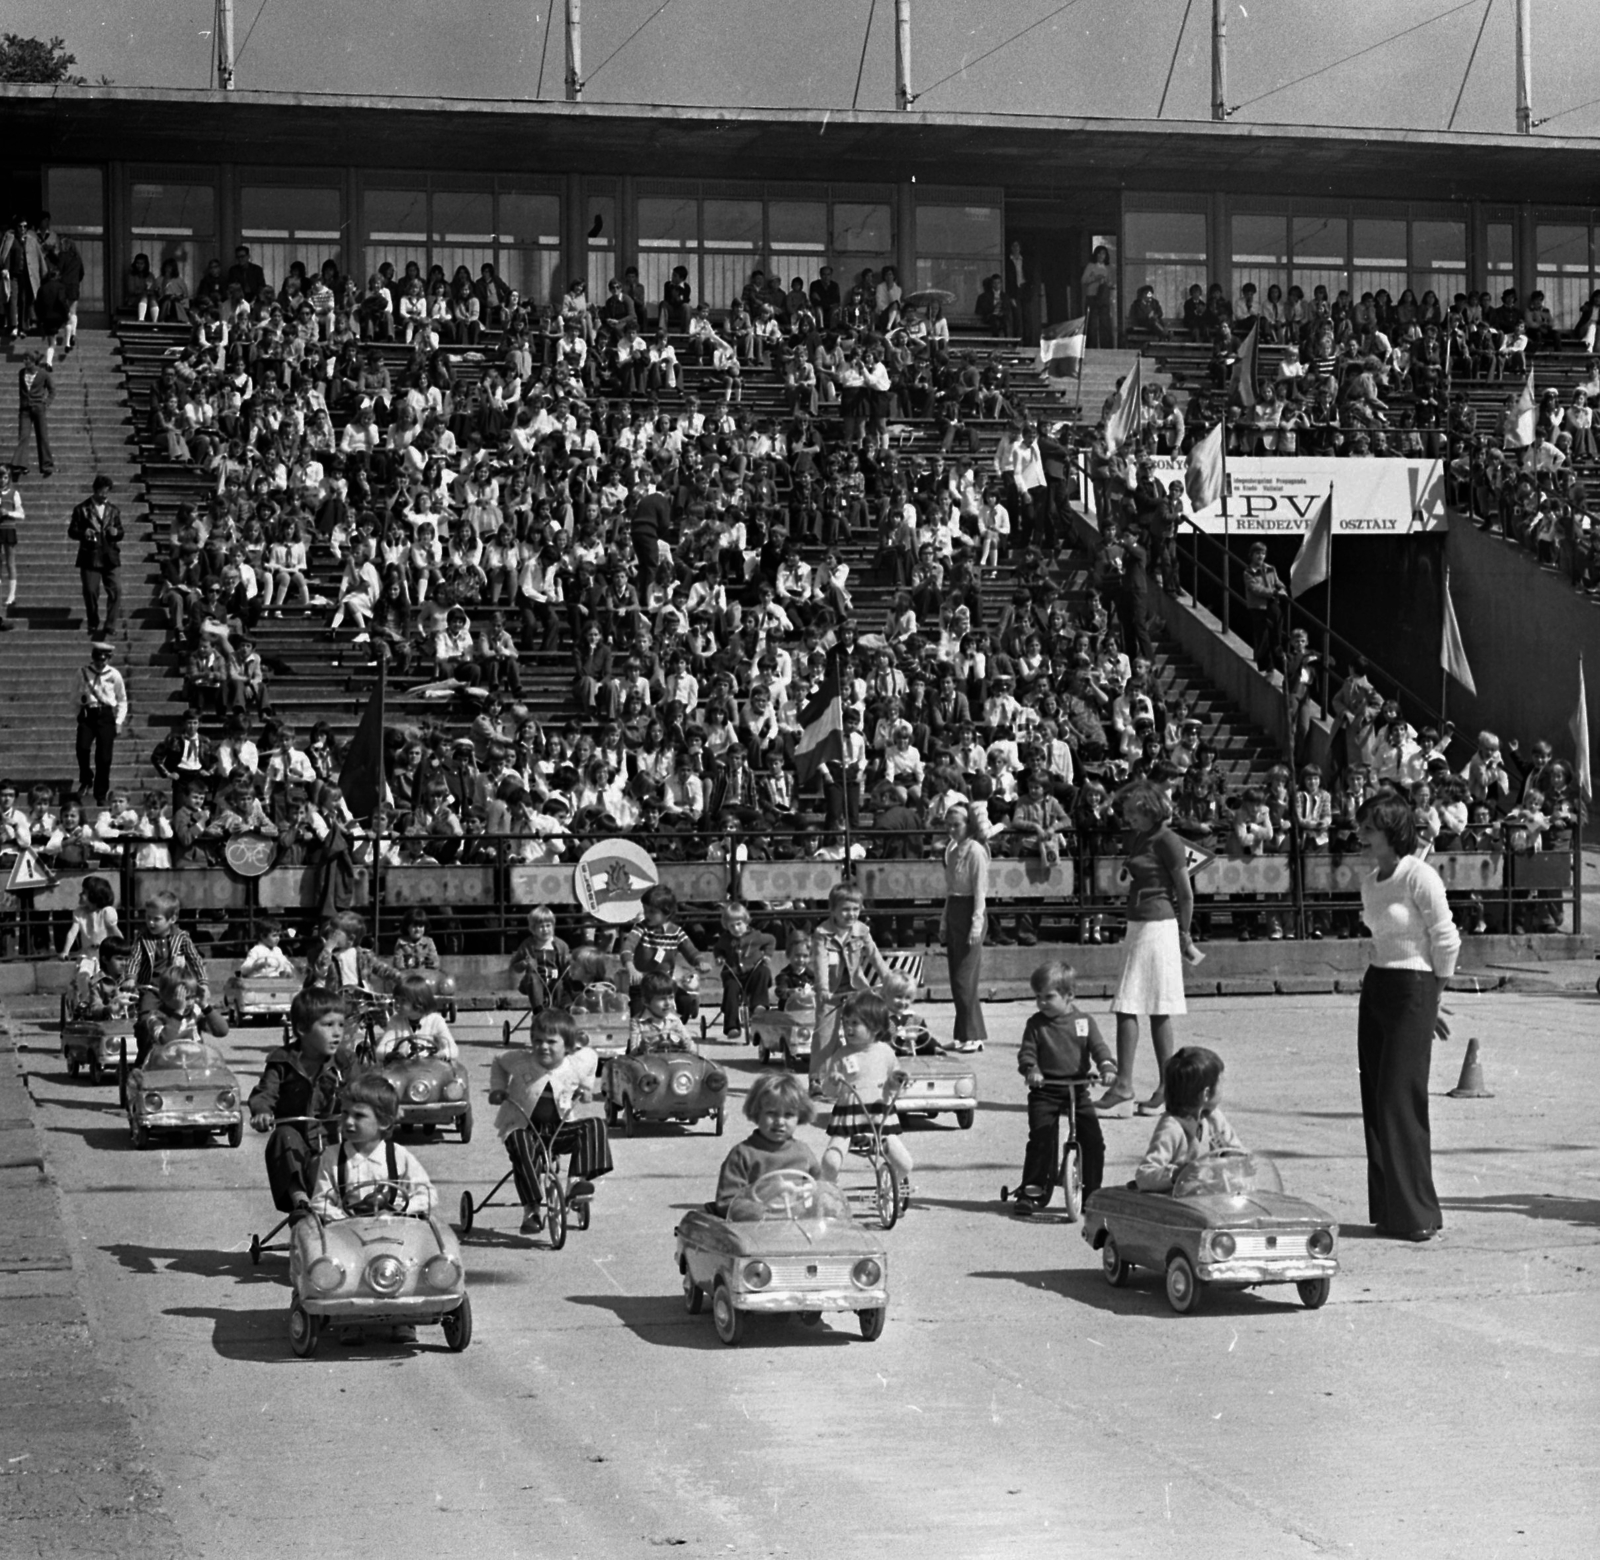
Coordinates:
(33,60)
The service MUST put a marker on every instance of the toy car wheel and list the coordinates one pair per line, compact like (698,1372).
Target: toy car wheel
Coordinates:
(457,1325)
(694,1297)
(255,1251)
(465,1225)
(303,1330)
(140,1134)
(580,1213)
(1314,1292)
(611,1114)
(505,1032)
(725,1316)
(720,1117)
(1072,1183)
(1185,1291)
(872,1322)
(1112,1265)
(810,1318)
(236,1134)
(66,1011)
(96,1071)
(555,1213)
(1005,1194)
(886,1192)
(464,1126)
(965,1118)
(72,1067)
(630,1122)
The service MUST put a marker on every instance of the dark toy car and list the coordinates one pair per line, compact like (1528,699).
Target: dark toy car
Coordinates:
(433,1089)
(664,1086)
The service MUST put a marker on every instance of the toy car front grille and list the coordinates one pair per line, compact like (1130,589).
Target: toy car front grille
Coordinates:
(1252,1248)
(810,1277)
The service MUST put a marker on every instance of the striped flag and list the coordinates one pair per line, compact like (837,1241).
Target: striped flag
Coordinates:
(821,728)
(1061,350)
(1203,478)
(1242,384)
(1452,652)
(1314,562)
(1580,739)
(1523,419)
(1122,421)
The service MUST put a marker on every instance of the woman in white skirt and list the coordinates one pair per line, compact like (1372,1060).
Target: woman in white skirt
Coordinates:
(1160,905)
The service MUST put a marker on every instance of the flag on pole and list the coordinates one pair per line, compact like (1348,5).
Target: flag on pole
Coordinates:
(1313,563)
(1520,431)
(1242,382)
(1452,653)
(1203,479)
(822,727)
(361,776)
(1580,739)
(1122,422)
(1061,350)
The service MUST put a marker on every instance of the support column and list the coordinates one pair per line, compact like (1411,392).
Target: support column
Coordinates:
(574,51)
(1524,67)
(574,232)
(224,21)
(905,235)
(902,54)
(1219,59)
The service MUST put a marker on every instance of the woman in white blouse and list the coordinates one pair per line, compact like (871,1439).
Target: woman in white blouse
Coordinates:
(1415,944)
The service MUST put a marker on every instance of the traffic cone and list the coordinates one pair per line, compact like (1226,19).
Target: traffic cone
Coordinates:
(1471,1085)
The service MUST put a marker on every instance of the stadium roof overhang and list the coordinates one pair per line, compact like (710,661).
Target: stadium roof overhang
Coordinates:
(1019,151)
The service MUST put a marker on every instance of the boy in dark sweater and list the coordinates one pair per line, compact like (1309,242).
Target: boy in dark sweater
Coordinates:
(742,955)
(1058,1045)
(301,1079)
(777,1104)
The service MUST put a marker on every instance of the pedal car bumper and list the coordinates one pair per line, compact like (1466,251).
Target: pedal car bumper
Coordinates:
(378,1313)
(197,1120)
(433,1113)
(935,1100)
(805,1300)
(1268,1270)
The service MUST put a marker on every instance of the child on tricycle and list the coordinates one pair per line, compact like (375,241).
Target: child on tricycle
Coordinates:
(298,1089)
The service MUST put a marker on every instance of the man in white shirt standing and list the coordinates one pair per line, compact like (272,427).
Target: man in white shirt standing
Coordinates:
(102,713)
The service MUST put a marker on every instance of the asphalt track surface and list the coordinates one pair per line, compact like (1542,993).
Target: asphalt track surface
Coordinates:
(1445,1402)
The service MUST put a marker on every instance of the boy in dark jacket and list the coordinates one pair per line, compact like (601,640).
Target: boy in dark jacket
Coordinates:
(742,956)
(1058,1045)
(300,1079)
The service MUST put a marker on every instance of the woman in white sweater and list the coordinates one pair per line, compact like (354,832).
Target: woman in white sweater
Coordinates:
(1415,945)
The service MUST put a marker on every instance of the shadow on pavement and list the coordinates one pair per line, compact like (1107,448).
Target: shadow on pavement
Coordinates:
(662,1320)
(1531,1205)
(106,1139)
(202,1263)
(262,1336)
(1143,1295)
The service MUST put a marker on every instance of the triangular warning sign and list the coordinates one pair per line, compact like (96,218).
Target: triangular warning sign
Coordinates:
(1194,858)
(28,873)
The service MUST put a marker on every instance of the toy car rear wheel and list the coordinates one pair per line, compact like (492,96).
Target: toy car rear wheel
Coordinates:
(97,1073)
(464,1126)
(965,1118)
(1072,1182)
(719,1118)
(872,1322)
(1185,1291)
(465,1224)
(725,1316)
(1112,1264)
(72,1066)
(140,1134)
(457,1325)
(886,1193)
(630,1122)
(236,1135)
(555,1213)
(694,1297)
(303,1330)
(1314,1292)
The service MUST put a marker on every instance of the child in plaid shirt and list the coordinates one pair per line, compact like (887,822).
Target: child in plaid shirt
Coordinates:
(657,1027)
(160,947)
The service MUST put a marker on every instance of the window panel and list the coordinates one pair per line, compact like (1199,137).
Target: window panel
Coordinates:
(75,199)
(530,219)
(732,224)
(799,225)
(278,211)
(807,264)
(723,277)
(1165,235)
(665,222)
(463,217)
(1501,255)
(395,216)
(862,228)
(1170,280)
(1261,241)
(1563,269)
(955,274)
(173,208)
(534,273)
(959,230)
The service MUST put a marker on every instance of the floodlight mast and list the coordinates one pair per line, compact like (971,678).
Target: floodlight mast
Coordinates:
(224,40)
(902,54)
(1219,59)
(1524,67)
(574,51)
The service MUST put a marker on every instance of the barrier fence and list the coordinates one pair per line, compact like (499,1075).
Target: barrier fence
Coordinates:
(481,905)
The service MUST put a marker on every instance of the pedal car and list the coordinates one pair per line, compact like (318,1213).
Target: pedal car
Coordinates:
(601,1012)
(432,1089)
(1227,1224)
(248,998)
(789,1243)
(96,1043)
(664,1086)
(785,1032)
(377,1271)
(937,1083)
(182,1087)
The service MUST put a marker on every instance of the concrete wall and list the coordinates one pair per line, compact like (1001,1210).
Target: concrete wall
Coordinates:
(1523,630)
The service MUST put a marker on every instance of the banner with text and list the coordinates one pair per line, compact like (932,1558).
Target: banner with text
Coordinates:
(1277,496)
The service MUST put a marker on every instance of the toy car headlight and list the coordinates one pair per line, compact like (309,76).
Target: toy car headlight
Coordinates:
(386,1274)
(455,1089)
(866,1274)
(757,1275)
(325,1275)
(682,1083)
(966,1087)
(418,1090)
(152,1102)
(1320,1243)
(1223,1245)
(648,1081)
(227,1099)
(445,986)
(442,1272)
(715,1082)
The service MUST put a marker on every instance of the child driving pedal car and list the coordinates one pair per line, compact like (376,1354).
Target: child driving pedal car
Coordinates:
(417,1028)
(177,1016)
(367,1172)
(301,1079)
(1192,1128)
(1058,1045)
(777,1105)
(534,1090)
(657,1027)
